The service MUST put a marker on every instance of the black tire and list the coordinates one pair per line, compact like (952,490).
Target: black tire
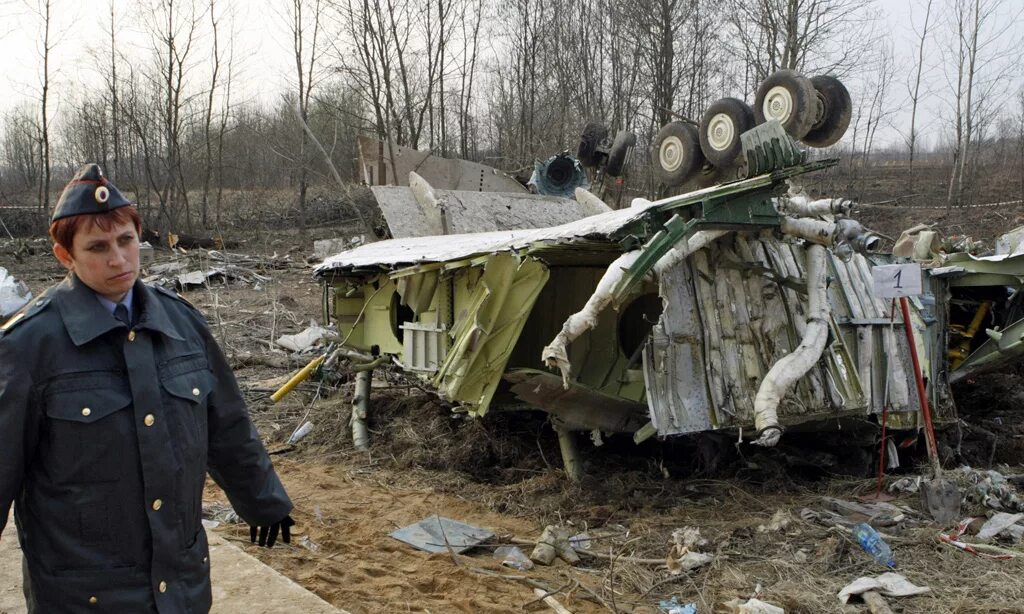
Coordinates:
(790,98)
(675,153)
(590,140)
(720,130)
(617,155)
(834,109)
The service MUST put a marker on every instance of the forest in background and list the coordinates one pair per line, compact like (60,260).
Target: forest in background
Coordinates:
(502,82)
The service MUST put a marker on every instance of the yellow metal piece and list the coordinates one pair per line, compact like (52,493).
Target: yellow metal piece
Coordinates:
(489,315)
(962,346)
(298,378)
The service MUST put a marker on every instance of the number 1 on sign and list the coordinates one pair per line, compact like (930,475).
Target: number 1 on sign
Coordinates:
(895,280)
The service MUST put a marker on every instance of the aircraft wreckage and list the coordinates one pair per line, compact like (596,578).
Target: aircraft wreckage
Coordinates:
(738,307)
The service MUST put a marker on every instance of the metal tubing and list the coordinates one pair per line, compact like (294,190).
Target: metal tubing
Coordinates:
(298,378)
(570,453)
(360,410)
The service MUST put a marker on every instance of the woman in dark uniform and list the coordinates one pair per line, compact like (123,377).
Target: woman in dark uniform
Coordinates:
(115,401)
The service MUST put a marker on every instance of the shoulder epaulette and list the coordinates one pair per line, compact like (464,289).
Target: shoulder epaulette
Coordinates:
(24,314)
(172,294)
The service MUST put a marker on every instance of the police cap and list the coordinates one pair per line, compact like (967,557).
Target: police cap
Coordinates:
(88,192)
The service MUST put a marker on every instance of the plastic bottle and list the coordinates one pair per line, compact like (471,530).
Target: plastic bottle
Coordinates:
(873,544)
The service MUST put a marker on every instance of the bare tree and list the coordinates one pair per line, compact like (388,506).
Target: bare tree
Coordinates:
(915,90)
(43,9)
(979,68)
(20,148)
(472,19)
(1020,138)
(304,22)
(827,36)
(213,140)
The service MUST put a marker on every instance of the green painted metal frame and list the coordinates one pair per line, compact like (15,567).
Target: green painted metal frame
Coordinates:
(742,205)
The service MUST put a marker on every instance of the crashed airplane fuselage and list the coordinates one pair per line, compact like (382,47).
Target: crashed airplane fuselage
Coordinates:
(734,307)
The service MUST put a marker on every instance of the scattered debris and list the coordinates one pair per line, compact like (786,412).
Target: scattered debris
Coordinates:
(582,541)
(941,498)
(200,268)
(14,294)
(300,433)
(1001,523)
(989,488)
(219,512)
(328,247)
(309,544)
(554,542)
(873,544)
(780,520)
(953,538)
(674,606)
(308,338)
(890,584)
(752,606)
(439,534)
(512,556)
(906,485)
(551,602)
(880,514)
(684,554)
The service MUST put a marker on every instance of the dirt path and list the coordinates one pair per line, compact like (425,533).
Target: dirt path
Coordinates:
(356,565)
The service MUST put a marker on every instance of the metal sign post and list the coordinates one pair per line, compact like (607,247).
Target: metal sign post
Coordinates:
(900,281)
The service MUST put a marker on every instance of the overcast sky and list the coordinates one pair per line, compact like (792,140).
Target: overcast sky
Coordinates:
(262,47)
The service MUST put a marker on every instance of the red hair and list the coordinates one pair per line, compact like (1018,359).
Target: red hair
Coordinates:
(63,231)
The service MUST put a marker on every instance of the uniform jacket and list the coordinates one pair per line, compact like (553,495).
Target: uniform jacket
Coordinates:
(106,436)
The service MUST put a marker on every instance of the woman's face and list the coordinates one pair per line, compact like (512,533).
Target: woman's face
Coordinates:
(106,261)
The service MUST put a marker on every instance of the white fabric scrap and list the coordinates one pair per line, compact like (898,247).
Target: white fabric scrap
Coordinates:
(304,340)
(998,523)
(752,606)
(888,584)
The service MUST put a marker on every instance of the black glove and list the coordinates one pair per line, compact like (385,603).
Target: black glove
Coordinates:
(268,535)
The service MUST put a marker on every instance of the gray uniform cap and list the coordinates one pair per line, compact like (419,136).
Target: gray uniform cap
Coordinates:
(88,192)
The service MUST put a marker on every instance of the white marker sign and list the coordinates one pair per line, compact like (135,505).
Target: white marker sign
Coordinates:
(895,280)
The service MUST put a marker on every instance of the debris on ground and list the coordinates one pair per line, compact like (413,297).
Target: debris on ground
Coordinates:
(752,606)
(439,534)
(554,542)
(880,514)
(906,485)
(780,520)
(989,488)
(328,247)
(198,269)
(1001,523)
(889,584)
(684,554)
(312,336)
(550,601)
(300,433)
(874,544)
(220,512)
(13,294)
(674,606)
(955,538)
(512,556)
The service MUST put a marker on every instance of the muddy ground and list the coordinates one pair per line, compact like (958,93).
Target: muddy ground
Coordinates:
(503,472)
